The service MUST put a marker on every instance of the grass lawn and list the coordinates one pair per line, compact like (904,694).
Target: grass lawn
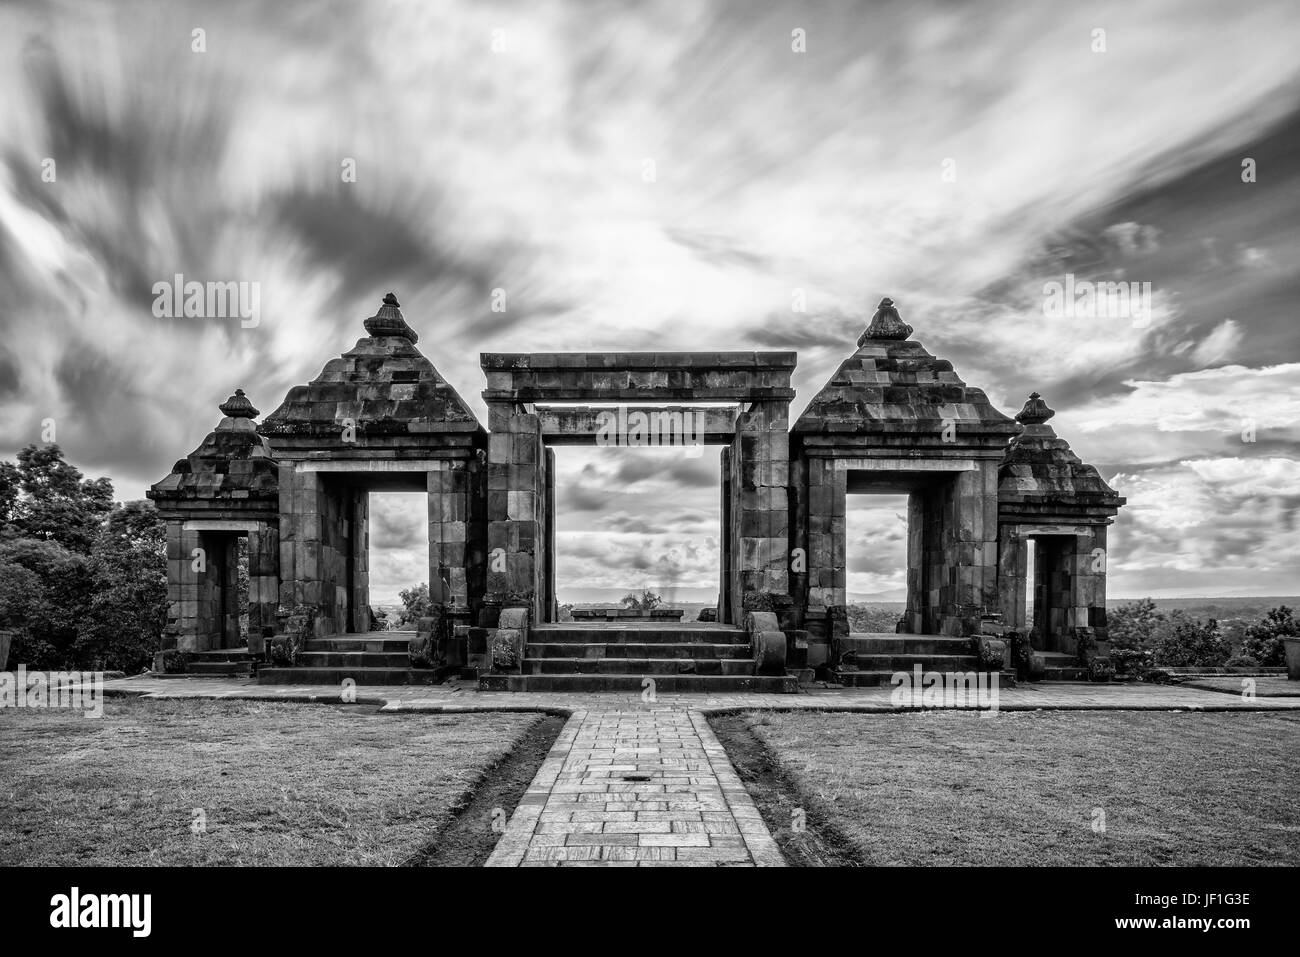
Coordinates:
(275,783)
(1025,788)
(1265,686)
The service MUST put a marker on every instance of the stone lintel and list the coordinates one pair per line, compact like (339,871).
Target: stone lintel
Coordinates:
(899,445)
(290,455)
(906,465)
(1092,518)
(582,425)
(699,361)
(648,394)
(1029,531)
(221,525)
(238,510)
(370,465)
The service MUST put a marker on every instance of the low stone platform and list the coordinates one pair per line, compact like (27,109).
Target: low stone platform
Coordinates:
(455,696)
(636,656)
(626,614)
(367,658)
(873,658)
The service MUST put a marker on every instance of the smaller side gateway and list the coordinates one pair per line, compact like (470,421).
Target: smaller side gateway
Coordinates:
(999,509)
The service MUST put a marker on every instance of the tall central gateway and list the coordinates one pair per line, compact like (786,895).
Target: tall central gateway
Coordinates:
(985,492)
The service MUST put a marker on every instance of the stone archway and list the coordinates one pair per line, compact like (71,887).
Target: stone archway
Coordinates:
(535,401)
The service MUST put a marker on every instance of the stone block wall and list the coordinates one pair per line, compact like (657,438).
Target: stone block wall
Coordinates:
(202,597)
(955,578)
(457,491)
(759,522)
(516,511)
(1068,582)
(318,554)
(263,581)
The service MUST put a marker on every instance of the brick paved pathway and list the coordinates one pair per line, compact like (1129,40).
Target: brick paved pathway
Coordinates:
(632,789)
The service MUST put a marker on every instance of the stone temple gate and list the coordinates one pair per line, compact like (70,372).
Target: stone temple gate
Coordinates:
(999,511)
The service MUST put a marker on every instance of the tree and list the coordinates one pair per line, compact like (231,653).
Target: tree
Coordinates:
(642,602)
(1263,639)
(415,605)
(11,483)
(53,502)
(49,614)
(1133,625)
(82,582)
(127,610)
(1181,641)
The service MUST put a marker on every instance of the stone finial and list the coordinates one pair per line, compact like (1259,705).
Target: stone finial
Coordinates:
(1035,411)
(388,321)
(238,407)
(886,324)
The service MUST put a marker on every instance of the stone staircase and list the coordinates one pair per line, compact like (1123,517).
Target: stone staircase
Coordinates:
(230,663)
(372,658)
(1062,667)
(680,657)
(872,659)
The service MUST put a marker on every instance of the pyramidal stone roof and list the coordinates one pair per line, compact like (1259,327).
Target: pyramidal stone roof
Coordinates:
(383,385)
(1040,478)
(233,467)
(892,392)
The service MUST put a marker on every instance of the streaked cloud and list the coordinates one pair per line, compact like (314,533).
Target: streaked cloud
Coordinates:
(525,169)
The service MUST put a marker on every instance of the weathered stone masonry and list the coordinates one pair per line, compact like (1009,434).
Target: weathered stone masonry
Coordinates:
(892,418)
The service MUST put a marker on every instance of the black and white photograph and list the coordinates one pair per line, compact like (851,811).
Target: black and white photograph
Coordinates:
(446,436)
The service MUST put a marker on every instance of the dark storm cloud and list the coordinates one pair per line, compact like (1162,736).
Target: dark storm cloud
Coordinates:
(523,170)
(671,466)
(578,497)
(630,525)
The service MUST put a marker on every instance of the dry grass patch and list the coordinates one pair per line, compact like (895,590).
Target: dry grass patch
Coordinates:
(1026,788)
(275,783)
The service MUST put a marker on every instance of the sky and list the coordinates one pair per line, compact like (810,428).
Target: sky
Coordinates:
(674,175)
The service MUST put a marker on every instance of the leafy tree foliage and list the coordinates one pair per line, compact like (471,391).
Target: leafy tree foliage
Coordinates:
(642,602)
(415,605)
(1132,626)
(82,582)
(1263,639)
(53,502)
(127,610)
(1182,640)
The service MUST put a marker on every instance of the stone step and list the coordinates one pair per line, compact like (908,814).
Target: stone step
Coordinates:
(639,650)
(905,645)
(1071,673)
(351,643)
(638,666)
(663,684)
(1062,667)
(872,679)
(902,662)
(362,676)
(645,634)
(220,655)
(355,659)
(241,669)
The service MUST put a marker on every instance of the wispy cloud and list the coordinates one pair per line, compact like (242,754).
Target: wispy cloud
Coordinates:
(648,176)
